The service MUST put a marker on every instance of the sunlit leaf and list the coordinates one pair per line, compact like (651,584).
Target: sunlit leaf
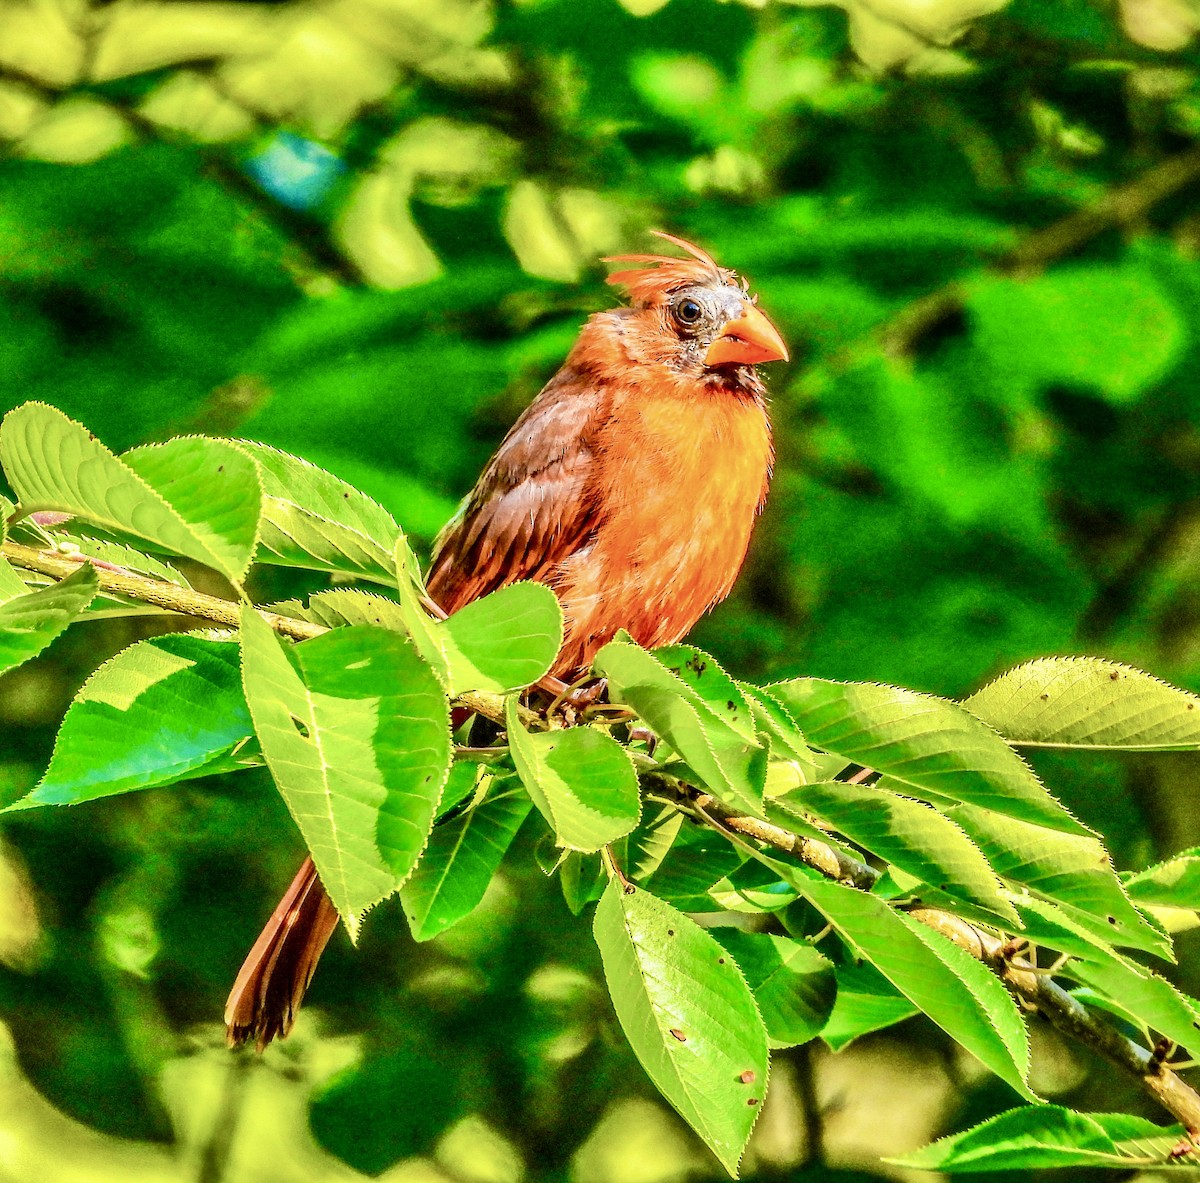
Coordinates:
(1086,702)
(313,519)
(732,767)
(356,733)
(909,834)
(1174,883)
(962,996)
(1047,1136)
(928,744)
(1072,871)
(503,641)
(688,1015)
(581,780)
(193,497)
(29,622)
(160,711)
(1139,992)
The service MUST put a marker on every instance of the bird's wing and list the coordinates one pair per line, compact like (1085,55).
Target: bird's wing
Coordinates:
(530,508)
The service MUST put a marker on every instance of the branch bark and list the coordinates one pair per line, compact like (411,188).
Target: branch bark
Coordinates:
(1036,991)
(171,597)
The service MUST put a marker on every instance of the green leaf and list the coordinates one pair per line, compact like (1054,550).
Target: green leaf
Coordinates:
(1108,327)
(776,725)
(29,622)
(313,519)
(909,834)
(959,994)
(106,551)
(645,849)
(193,497)
(1138,992)
(866,1001)
(580,779)
(933,747)
(11,584)
(214,491)
(460,860)
(1086,702)
(356,732)
(719,692)
(1070,870)
(582,880)
(793,985)
(688,1015)
(1043,1137)
(346,605)
(732,767)
(503,641)
(1171,884)
(699,859)
(1047,924)
(160,711)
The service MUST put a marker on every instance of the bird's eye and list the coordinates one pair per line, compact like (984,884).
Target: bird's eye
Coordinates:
(688,311)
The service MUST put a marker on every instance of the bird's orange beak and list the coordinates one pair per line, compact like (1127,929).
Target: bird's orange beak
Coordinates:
(749,339)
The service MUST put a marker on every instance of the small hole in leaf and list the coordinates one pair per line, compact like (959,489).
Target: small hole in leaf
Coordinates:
(747,1077)
(300,726)
(1044,697)
(670,932)
(1114,675)
(1112,920)
(752,1101)
(220,467)
(720,960)
(679,1035)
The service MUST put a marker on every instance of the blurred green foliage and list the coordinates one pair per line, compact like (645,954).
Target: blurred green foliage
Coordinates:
(366,231)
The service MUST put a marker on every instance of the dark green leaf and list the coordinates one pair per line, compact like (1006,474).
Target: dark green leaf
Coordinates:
(792,983)
(731,766)
(460,860)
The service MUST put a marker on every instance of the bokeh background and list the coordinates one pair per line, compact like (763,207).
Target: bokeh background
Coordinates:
(366,231)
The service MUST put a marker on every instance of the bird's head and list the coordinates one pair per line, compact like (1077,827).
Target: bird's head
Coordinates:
(696,318)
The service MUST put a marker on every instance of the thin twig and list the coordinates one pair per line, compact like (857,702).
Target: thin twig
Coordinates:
(1124,205)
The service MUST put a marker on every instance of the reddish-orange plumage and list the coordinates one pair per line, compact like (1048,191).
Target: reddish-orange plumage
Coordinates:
(630,486)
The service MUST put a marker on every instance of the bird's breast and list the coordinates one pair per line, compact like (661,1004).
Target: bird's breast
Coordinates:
(678,484)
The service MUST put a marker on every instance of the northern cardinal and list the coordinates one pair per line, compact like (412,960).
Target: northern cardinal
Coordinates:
(629,486)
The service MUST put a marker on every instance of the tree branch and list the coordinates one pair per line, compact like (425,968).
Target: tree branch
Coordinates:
(1035,991)
(171,597)
(1120,206)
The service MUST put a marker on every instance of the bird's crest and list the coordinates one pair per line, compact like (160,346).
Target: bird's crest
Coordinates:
(665,273)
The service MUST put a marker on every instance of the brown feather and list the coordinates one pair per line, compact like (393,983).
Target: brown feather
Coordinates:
(273,978)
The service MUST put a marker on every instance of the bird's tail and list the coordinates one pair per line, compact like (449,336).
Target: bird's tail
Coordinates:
(271,984)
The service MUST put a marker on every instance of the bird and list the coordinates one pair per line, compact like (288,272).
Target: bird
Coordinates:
(629,486)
